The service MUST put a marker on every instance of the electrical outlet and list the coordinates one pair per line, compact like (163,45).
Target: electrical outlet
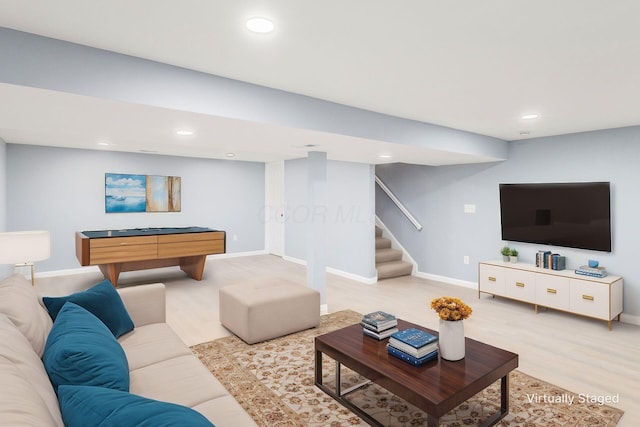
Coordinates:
(466,259)
(469,208)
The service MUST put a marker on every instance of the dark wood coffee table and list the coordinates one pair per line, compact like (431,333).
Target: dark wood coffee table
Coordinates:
(436,387)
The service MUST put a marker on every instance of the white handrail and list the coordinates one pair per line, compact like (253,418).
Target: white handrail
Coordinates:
(399,204)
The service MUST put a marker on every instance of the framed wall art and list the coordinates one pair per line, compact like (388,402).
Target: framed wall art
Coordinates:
(141,193)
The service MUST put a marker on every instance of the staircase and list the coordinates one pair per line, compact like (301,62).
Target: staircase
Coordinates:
(388,260)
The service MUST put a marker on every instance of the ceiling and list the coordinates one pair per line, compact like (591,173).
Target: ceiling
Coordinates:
(469,65)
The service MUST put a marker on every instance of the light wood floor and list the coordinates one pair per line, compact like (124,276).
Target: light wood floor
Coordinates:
(573,352)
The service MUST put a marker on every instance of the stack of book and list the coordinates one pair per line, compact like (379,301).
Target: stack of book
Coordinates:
(585,270)
(379,325)
(414,346)
(547,259)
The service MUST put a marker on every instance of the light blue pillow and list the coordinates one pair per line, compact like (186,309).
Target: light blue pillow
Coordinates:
(80,350)
(83,406)
(102,300)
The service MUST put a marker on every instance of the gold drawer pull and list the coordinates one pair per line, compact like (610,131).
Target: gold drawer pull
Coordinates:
(551,291)
(587,297)
(492,279)
(520,284)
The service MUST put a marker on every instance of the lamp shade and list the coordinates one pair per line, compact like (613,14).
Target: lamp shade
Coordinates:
(17,247)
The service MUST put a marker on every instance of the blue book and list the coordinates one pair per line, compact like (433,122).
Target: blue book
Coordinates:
(415,337)
(410,359)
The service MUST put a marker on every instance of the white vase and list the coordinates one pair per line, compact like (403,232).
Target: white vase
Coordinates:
(451,340)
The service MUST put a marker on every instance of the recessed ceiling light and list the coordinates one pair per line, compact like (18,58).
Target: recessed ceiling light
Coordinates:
(104,143)
(310,145)
(384,156)
(524,132)
(231,154)
(184,132)
(260,25)
(529,116)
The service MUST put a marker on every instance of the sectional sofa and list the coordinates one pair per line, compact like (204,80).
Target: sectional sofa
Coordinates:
(108,354)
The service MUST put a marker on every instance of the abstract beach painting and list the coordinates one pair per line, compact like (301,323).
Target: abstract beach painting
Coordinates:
(141,193)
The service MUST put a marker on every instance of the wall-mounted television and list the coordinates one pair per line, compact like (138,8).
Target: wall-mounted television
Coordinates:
(572,214)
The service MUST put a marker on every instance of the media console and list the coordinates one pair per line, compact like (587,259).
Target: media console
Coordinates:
(115,251)
(564,290)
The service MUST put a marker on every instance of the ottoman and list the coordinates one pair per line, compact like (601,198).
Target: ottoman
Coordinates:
(265,308)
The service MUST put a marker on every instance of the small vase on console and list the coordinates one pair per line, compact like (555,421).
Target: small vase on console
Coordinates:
(451,340)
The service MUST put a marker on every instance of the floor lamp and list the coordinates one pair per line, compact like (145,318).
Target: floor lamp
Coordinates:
(23,248)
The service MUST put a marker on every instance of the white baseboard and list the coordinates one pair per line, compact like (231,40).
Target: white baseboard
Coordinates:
(324,309)
(628,318)
(335,271)
(238,254)
(449,280)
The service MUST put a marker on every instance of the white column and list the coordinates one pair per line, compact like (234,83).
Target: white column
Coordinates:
(316,234)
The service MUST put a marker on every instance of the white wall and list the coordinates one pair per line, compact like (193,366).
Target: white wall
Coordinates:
(5,270)
(348,217)
(62,190)
(437,195)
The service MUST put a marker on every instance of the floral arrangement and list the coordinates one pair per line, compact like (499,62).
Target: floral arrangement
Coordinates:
(449,308)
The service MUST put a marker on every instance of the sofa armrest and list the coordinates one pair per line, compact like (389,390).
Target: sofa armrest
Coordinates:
(146,304)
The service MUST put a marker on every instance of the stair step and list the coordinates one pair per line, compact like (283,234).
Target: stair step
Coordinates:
(387,270)
(388,254)
(378,231)
(382,243)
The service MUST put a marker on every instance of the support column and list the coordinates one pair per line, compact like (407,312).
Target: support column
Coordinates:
(316,233)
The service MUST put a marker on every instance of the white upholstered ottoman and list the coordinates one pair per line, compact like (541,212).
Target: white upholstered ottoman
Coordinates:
(268,307)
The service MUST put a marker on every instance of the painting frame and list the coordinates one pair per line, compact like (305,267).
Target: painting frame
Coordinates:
(135,193)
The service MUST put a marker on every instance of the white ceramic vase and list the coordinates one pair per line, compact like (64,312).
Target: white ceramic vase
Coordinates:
(451,340)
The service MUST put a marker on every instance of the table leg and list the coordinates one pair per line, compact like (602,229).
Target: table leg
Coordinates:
(111,272)
(504,404)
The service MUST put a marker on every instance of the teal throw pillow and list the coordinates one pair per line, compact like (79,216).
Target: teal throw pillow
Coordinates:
(83,406)
(102,300)
(80,350)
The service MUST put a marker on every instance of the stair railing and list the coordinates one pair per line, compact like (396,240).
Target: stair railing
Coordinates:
(399,204)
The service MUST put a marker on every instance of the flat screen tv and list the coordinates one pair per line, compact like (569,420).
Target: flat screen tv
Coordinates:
(575,215)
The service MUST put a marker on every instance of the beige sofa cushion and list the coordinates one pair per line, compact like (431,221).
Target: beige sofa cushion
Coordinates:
(26,395)
(183,380)
(150,344)
(20,302)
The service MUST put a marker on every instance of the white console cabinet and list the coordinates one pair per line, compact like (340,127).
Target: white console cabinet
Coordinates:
(600,298)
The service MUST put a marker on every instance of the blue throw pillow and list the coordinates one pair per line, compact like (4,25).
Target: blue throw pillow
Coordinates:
(80,350)
(102,300)
(83,406)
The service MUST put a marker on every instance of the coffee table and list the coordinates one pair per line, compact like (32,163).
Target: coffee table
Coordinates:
(436,387)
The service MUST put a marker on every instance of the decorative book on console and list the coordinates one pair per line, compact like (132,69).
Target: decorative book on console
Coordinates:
(551,261)
(585,270)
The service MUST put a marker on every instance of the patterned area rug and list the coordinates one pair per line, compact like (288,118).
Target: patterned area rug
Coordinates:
(274,382)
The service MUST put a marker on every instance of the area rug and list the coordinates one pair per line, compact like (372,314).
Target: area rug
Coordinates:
(274,383)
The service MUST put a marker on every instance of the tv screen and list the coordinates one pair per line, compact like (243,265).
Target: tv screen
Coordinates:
(575,215)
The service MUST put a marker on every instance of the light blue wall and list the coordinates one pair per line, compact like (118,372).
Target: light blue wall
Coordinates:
(437,195)
(5,270)
(62,190)
(31,60)
(348,216)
